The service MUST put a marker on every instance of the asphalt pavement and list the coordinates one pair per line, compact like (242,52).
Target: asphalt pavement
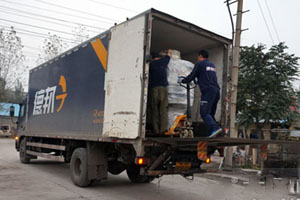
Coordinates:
(45,179)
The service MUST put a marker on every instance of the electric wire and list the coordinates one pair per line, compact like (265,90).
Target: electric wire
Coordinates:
(65,25)
(69,14)
(53,18)
(272,21)
(265,21)
(113,6)
(39,27)
(75,10)
(36,34)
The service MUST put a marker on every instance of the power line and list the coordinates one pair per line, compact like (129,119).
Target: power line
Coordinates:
(39,27)
(65,25)
(75,10)
(110,5)
(265,21)
(35,34)
(69,14)
(53,18)
(272,21)
(31,47)
(32,53)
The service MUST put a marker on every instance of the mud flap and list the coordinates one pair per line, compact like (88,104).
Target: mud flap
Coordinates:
(202,150)
(264,151)
(97,161)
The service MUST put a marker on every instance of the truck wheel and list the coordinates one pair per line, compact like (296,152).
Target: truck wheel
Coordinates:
(24,158)
(79,167)
(133,173)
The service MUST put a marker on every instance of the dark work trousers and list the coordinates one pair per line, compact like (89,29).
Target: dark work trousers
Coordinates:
(209,101)
(159,109)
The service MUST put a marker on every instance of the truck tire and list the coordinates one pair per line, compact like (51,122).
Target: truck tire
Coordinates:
(133,173)
(24,158)
(79,167)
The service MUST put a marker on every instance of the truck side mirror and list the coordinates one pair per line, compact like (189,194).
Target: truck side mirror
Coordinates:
(12,111)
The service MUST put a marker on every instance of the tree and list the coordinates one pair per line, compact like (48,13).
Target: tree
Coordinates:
(80,34)
(265,89)
(53,46)
(18,93)
(12,66)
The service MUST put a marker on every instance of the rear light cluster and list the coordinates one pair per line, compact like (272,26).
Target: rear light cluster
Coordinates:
(141,161)
(207,161)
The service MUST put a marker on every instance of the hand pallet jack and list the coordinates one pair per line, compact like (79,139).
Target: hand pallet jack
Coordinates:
(182,127)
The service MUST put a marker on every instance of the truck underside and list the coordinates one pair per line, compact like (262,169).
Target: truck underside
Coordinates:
(91,160)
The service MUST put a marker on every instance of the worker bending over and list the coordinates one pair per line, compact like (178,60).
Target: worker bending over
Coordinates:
(205,74)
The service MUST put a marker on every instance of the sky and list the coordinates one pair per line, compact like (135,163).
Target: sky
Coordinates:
(268,21)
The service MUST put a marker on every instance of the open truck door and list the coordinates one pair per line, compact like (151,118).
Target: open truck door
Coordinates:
(124,80)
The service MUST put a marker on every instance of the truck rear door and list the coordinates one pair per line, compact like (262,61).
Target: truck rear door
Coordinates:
(124,79)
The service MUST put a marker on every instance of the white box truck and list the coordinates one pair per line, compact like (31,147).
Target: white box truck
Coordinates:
(88,106)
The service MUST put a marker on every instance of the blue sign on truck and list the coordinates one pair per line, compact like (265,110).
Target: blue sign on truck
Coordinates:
(66,96)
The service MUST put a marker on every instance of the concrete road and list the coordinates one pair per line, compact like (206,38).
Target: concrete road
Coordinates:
(44,179)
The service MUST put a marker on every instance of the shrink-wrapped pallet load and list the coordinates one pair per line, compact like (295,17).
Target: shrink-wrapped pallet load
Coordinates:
(177,95)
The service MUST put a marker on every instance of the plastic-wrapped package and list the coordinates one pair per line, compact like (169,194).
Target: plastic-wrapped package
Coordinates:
(177,93)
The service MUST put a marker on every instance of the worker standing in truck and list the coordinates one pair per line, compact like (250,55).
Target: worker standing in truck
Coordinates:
(205,74)
(158,83)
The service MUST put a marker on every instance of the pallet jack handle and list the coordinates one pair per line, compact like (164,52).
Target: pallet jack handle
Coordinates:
(188,87)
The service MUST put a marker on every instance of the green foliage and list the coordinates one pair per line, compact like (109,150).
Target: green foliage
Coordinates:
(265,90)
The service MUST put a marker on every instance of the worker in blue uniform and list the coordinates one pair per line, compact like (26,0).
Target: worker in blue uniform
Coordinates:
(205,75)
(158,91)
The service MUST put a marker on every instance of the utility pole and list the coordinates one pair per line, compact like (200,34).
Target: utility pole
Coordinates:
(234,77)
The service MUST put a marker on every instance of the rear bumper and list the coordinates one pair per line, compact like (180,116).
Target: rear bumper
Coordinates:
(5,133)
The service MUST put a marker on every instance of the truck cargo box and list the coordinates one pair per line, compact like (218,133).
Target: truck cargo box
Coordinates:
(98,90)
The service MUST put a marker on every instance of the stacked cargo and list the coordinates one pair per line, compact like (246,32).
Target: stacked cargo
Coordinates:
(177,95)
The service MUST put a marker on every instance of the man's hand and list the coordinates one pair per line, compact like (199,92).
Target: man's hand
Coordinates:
(169,53)
(181,79)
(184,81)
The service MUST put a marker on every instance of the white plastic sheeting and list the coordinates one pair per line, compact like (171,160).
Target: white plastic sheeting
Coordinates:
(177,95)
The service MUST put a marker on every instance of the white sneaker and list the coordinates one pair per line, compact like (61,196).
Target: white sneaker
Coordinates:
(215,133)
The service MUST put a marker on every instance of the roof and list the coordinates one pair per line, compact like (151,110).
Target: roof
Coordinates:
(189,25)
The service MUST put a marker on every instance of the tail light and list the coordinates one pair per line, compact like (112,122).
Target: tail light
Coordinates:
(207,161)
(141,161)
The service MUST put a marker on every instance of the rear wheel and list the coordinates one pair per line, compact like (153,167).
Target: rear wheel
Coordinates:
(79,167)
(133,173)
(24,158)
